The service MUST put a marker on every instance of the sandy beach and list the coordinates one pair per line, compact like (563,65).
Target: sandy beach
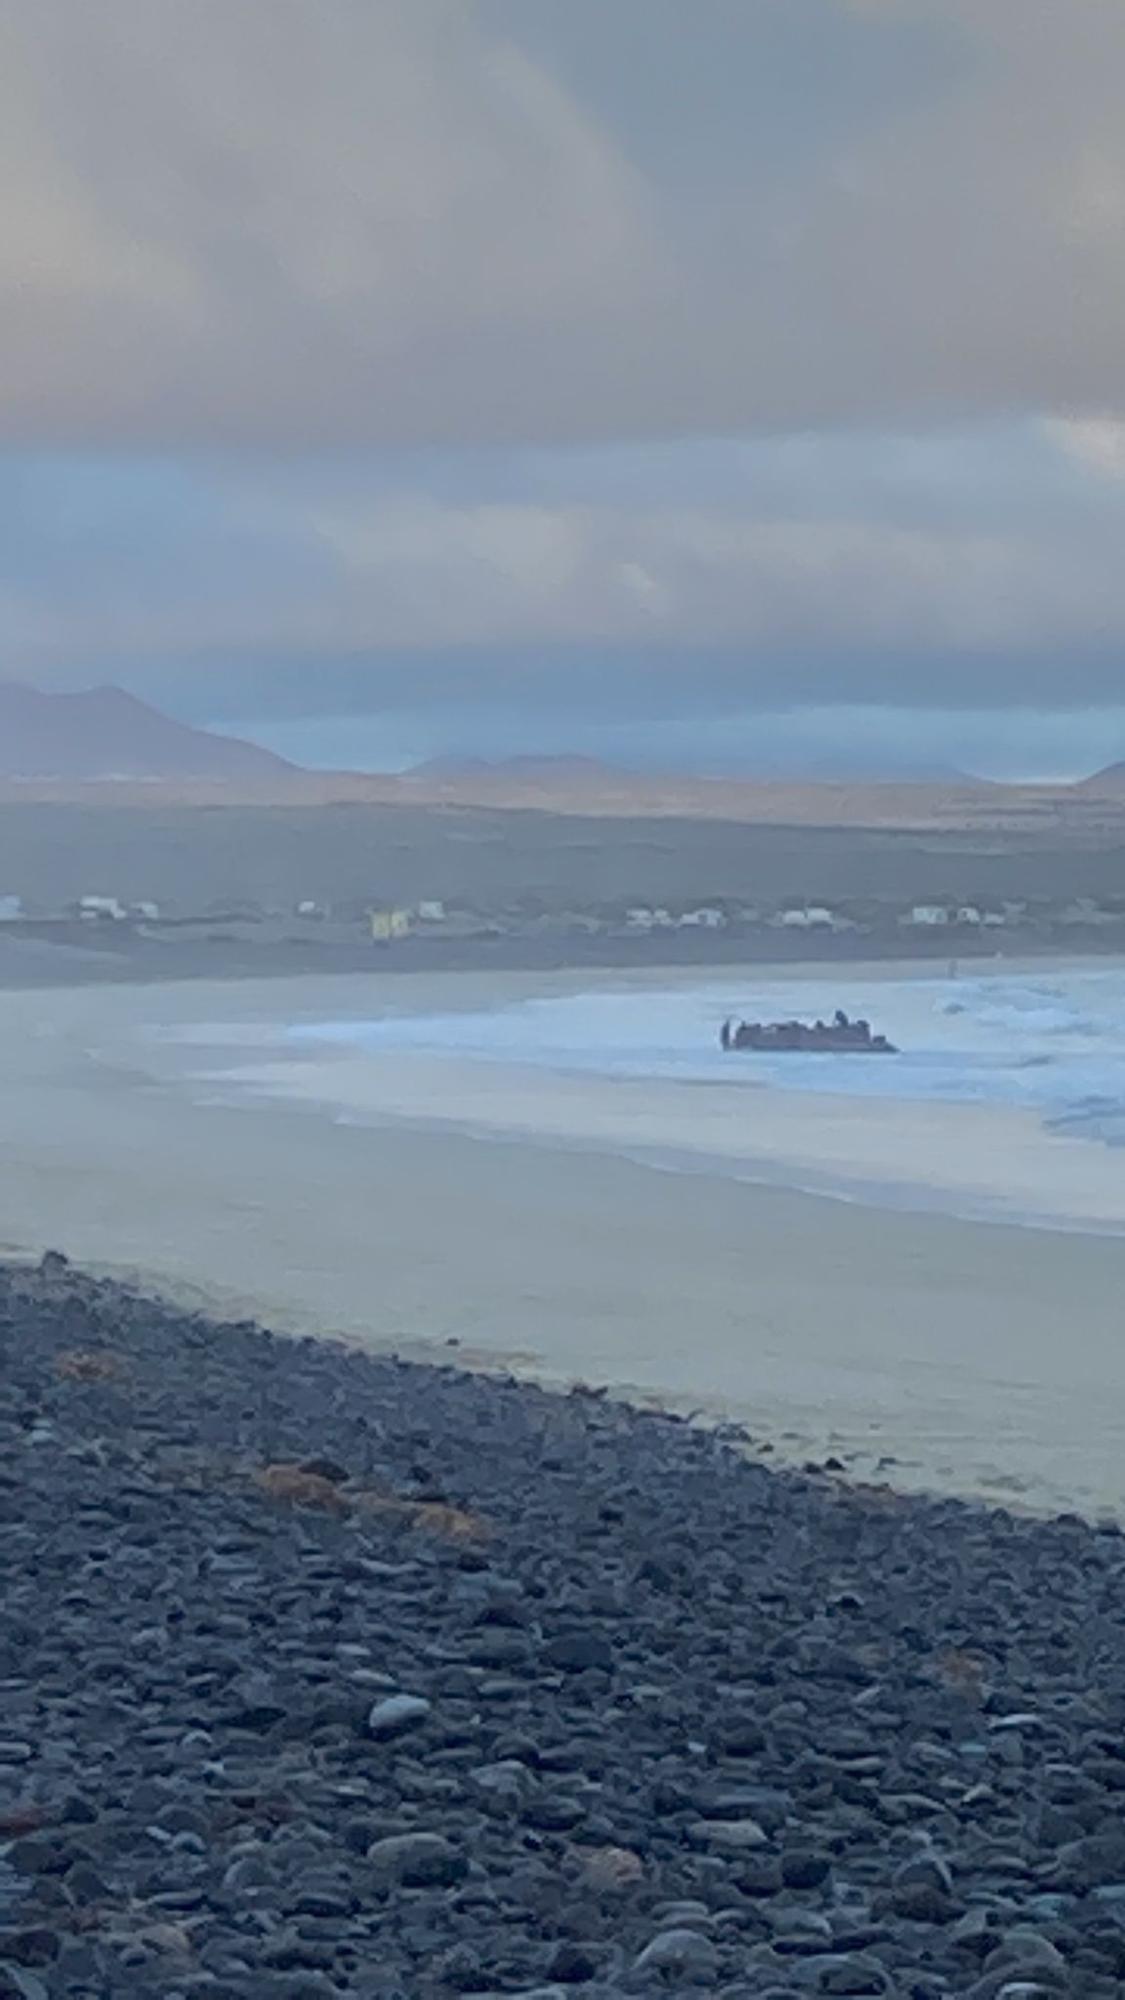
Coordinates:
(940,1353)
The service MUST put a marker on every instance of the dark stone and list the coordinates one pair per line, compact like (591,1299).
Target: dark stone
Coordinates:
(417,1861)
(30,1945)
(571,1963)
(257,1717)
(804,1867)
(578,1652)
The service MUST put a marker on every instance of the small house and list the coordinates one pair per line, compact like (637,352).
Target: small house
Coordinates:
(431,912)
(101,909)
(806,917)
(1085,913)
(928,916)
(707,918)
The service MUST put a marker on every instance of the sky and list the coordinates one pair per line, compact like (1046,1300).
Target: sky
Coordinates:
(733,385)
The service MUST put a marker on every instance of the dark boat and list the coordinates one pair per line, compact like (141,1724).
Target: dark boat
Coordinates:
(836,1037)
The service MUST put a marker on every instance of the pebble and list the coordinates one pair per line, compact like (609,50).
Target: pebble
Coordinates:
(678,1951)
(417,1860)
(396,1715)
(732,1836)
(621,1713)
(578,1652)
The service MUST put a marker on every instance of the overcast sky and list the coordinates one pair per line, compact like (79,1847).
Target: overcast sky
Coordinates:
(722,382)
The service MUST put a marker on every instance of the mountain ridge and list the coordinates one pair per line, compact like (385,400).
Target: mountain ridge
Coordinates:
(102,734)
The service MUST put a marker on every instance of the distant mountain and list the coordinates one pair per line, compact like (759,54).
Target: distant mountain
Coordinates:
(1111,779)
(104,733)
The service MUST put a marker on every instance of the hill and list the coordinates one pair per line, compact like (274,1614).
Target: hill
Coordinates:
(1111,779)
(106,733)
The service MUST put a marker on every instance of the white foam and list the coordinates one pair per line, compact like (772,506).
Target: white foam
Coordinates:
(1054,1044)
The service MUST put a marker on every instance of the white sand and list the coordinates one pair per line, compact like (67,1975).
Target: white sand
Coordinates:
(980,1357)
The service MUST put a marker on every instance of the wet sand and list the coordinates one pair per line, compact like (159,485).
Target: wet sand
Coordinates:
(978,1357)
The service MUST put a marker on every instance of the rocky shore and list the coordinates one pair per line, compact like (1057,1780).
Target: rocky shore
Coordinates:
(323,1674)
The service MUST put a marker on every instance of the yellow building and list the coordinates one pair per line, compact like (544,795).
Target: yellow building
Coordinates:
(389,924)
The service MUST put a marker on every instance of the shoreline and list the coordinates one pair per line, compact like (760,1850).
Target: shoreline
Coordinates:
(94,956)
(907,1149)
(983,1359)
(820,1146)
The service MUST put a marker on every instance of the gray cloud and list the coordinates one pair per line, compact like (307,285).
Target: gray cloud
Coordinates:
(474,220)
(830,571)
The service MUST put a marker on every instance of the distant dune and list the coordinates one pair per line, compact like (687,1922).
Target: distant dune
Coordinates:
(563,770)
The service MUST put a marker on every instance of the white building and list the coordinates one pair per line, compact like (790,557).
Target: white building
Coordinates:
(98,909)
(970,915)
(810,917)
(431,912)
(1085,911)
(706,919)
(149,913)
(11,909)
(928,916)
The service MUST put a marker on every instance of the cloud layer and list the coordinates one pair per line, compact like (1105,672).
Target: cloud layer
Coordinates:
(430,221)
(847,569)
(545,367)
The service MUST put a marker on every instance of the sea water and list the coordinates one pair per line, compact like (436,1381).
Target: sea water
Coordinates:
(1052,1042)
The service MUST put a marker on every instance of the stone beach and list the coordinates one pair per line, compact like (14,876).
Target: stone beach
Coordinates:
(324,1673)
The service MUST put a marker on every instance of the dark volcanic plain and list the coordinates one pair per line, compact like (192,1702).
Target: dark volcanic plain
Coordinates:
(322,1674)
(189,856)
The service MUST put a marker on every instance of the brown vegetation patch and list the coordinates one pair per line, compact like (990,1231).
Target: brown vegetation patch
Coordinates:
(961,1672)
(18,1820)
(88,1364)
(301,1488)
(304,1488)
(429,1517)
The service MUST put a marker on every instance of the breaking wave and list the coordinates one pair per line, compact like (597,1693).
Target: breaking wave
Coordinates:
(1054,1045)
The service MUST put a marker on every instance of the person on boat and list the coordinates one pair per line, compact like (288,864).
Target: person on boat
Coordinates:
(726,1035)
(840,1019)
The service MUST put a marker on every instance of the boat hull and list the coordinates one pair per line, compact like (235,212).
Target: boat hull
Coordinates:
(767,1047)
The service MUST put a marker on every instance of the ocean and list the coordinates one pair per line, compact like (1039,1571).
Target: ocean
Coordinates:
(1051,1042)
